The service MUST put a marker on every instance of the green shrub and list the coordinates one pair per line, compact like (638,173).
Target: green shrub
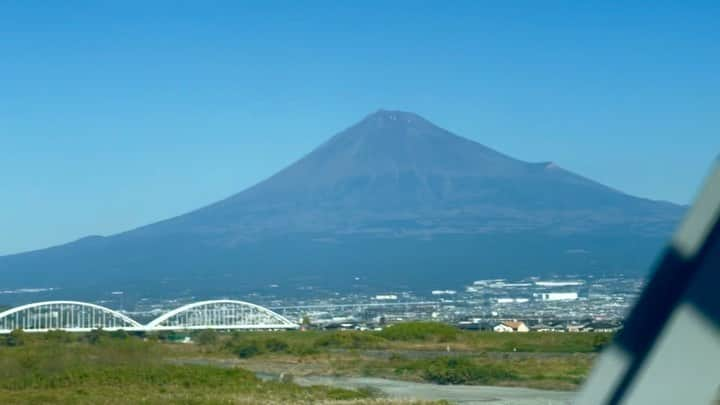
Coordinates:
(458,370)
(95,336)
(206,337)
(58,336)
(276,345)
(600,341)
(15,338)
(303,349)
(119,334)
(432,331)
(350,340)
(163,335)
(247,348)
(548,342)
(246,345)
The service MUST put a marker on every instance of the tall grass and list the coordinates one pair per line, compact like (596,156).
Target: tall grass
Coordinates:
(58,367)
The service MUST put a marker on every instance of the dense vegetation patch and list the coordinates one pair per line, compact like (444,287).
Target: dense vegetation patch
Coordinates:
(350,340)
(564,372)
(540,342)
(104,367)
(423,331)
(247,345)
(460,370)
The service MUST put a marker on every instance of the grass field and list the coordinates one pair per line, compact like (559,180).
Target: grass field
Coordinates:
(101,367)
(422,352)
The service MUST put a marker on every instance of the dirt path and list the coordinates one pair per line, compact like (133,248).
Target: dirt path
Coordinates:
(459,394)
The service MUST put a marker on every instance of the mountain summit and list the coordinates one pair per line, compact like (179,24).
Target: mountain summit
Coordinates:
(395,172)
(393,197)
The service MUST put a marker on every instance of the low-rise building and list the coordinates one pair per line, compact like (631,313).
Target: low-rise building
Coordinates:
(574,328)
(604,326)
(511,326)
(541,327)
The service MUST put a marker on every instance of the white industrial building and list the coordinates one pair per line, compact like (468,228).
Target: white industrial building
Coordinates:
(558,296)
(444,292)
(512,300)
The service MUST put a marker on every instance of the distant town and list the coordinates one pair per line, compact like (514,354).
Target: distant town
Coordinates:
(576,304)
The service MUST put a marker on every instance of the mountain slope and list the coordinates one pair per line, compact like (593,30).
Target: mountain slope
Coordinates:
(394,198)
(396,166)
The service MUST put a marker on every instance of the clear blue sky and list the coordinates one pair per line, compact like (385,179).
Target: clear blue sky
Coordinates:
(114,114)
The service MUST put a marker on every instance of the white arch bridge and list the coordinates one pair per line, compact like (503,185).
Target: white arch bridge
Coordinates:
(75,316)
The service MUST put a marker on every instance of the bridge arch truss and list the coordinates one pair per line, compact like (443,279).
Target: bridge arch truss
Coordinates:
(71,316)
(221,314)
(75,316)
